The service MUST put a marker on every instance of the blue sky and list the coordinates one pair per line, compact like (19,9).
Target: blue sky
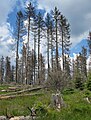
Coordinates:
(78,13)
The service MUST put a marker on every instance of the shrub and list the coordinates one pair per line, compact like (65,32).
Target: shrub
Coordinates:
(57,80)
(41,110)
(68,91)
(78,83)
(89,82)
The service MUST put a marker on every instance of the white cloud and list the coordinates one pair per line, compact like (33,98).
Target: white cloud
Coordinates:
(4,31)
(5,8)
(77,12)
(6,40)
(77,39)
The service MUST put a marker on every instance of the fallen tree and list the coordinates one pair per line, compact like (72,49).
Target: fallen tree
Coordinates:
(14,96)
(17,93)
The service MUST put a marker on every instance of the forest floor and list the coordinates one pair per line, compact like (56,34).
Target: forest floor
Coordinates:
(77,107)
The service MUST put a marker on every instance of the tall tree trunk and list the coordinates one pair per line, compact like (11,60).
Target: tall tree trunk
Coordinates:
(17,56)
(51,47)
(27,50)
(48,51)
(56,44)
(34,55)
(62,51)
(39,55)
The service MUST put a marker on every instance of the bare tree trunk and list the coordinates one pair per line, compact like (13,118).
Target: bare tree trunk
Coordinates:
(51,49)
(48,51)
(39,54)
(17,56)
(22,68)
(27,50)
(56,44)
(62,51)
(34,55)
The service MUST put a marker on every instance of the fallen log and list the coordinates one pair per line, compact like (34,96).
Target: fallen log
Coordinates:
(14,96)
(22,91)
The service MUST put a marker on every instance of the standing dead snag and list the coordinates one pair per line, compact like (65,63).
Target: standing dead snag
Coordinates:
(19,34)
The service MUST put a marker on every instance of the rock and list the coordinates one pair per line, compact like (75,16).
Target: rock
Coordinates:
(2,117)
(21,118)
(15,118)
(87,99)
(27,118)
(3,90)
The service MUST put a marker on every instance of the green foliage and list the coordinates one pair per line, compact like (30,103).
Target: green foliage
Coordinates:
(87,93)
(2,87)
(89,85)
(41,110)
(68,91)
(78,83)
(89,82)
(76,107)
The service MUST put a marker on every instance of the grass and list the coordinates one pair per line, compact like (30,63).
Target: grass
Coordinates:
(76,107)
(18,106)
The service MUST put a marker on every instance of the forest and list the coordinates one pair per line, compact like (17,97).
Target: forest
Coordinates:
(42,61)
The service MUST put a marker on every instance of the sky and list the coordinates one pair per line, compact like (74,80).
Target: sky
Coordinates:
(77,12)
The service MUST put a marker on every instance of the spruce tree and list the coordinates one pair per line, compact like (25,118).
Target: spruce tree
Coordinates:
(2,69)
(84,60)
(40,26)
(52,42)
(8,76)
(48,25)
(56,14)
(89,45)
(19,27)
(65,37)
(29,15)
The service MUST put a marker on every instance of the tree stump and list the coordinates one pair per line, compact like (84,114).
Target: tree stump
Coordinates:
(57,101)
